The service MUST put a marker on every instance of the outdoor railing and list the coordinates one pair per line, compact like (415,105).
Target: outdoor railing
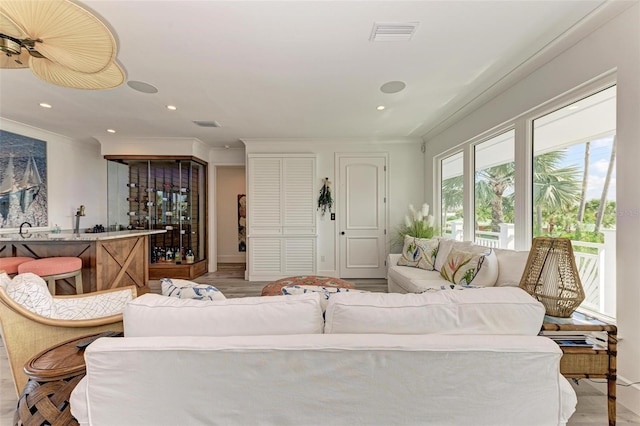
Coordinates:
(595,263)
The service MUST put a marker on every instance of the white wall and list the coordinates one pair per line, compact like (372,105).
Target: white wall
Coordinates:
(406,182)
(614,46)
(230,181)
(76,175)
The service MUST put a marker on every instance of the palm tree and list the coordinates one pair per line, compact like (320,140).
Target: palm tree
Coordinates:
(554,187)
(583,192)
(605,188)
(491,184)
(452,196)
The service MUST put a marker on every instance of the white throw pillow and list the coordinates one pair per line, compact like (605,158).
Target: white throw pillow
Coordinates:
(511,266)
(491,310)
(419,252)
(31,291)
(183,289)
(444,247)
(155,315)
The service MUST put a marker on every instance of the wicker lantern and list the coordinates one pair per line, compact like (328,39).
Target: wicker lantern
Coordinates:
(551,276)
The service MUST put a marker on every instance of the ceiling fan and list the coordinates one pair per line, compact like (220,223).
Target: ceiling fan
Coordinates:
(62,42)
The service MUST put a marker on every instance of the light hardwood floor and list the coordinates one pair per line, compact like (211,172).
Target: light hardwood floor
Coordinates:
(591,409)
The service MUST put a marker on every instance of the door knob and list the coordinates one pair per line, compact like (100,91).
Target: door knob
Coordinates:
(342,233)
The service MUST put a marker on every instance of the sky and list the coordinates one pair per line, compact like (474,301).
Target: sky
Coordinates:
(599,157)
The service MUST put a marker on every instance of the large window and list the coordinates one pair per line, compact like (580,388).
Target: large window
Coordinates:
(574,195)
(494,190)
(550,172)
(452,196)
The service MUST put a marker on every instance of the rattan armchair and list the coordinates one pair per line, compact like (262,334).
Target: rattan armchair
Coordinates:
(26,334)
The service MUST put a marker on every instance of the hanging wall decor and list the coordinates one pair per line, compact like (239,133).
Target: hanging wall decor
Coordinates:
(325,200)
(23,181)
(242,222)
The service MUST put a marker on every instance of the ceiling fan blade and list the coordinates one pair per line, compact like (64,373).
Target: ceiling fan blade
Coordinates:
(70,35)
(10,28)
(15,61)
(57,74)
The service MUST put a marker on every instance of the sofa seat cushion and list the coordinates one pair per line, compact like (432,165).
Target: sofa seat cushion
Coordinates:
(490,310)
(155,315)
(412,280)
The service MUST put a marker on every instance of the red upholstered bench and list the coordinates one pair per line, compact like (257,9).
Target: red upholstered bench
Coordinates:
(55,268)
(10,264)
(275,288)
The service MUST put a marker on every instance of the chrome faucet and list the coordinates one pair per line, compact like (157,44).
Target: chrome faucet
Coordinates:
(23,224)
(79,213)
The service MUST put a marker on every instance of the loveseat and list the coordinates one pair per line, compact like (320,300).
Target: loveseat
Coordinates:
(420,266)
(445,358)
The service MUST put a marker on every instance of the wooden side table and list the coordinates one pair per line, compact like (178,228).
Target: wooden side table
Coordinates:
(593,362)
(53,374)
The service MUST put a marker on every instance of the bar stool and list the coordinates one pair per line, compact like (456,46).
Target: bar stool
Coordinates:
(10,264)
(52,269)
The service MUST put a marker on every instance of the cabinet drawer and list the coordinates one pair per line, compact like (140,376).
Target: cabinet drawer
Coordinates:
(583,363)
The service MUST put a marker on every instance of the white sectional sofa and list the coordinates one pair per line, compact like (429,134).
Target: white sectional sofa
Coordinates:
(377,359)
(501,268)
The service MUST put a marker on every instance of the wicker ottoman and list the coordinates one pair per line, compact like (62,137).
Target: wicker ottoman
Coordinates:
(275,288)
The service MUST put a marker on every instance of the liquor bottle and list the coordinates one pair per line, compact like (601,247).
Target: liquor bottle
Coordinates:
(189,256)
(133,213)
(132,185)
(135,200)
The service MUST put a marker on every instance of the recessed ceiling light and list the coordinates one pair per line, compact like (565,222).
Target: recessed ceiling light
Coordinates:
(227,147)
(45,105)
(393,87)
(172,107)
(573,107)
(111,131)
(380,108)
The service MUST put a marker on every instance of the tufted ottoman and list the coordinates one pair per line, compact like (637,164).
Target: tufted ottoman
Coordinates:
(275,288)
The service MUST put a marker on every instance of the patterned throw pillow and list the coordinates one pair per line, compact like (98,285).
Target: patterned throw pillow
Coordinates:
(184,289)
(31,291)
(461,267)
(419,252)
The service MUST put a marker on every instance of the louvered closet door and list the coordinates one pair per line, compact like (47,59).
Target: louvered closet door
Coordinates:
(266,257)
(299,255)
(299,196)
(265,196)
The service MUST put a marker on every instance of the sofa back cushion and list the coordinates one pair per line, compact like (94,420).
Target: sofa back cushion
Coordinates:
(491,310)
(155,315)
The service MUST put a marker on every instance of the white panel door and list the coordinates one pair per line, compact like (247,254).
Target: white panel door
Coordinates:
(362,216)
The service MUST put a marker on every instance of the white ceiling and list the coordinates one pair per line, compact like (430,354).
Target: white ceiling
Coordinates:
(292,69)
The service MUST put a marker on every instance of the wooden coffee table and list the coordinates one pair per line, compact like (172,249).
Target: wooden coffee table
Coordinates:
(53,374)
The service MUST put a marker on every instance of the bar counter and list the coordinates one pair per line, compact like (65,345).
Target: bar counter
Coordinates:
(109,259)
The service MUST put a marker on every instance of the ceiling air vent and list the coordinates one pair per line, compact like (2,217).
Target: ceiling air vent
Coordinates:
(402,31)
(210,123)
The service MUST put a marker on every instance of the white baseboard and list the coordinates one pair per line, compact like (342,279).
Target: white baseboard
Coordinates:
(232,258)
(629,396)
